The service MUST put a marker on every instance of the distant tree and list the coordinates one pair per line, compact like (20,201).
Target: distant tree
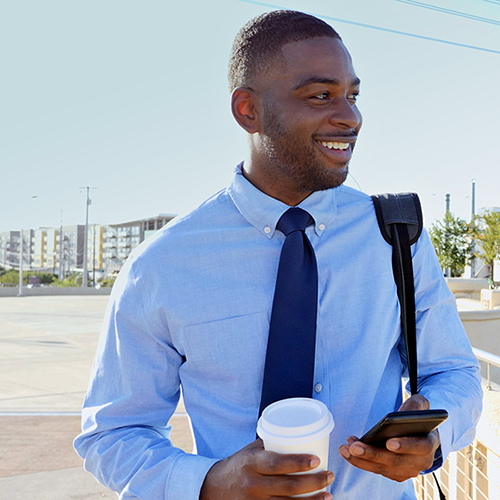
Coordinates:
(452,242)
(10,277)
(108,281)
(486,232)
(74,279)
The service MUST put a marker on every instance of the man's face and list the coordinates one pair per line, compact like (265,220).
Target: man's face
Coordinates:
(310,120)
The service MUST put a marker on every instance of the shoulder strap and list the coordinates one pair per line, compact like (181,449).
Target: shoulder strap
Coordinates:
(398,208)
(400,220)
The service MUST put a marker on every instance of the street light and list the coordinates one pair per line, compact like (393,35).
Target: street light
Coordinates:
(86,238)
(21,256)
(20,294)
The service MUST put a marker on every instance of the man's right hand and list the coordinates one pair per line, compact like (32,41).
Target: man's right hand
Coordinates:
(253,473)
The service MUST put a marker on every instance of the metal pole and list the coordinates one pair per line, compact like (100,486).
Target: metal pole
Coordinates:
(447,271)
(60,248)
(20,294)
(473,214)
(93,256)
(85,242)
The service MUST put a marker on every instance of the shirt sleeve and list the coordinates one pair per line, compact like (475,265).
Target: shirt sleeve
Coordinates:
(133,392)
(448,371)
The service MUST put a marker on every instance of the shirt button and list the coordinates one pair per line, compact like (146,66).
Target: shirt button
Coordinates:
(321,227)
(318,387)
(267,229)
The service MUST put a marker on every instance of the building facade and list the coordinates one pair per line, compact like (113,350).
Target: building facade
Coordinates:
(61,250)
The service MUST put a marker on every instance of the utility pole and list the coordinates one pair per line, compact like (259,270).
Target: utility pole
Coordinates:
(20,294)
(61,249)
(86,239)
(447,272)
(93,256)
(472,216)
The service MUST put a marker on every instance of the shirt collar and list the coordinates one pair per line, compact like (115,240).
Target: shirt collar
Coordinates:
(264,212)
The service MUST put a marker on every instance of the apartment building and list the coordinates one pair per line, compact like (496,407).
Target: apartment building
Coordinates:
(121,239)
(61,252)
(10,248)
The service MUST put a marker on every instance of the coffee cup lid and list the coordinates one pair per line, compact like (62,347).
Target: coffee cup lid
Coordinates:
(302,420)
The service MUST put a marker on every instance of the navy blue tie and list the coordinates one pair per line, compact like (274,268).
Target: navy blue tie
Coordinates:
(289,367)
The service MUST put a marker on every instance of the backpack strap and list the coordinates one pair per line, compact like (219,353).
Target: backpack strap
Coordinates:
(398,208)
(400,220)
(399,217)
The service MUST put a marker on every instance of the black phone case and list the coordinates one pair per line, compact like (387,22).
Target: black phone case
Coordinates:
(404,423)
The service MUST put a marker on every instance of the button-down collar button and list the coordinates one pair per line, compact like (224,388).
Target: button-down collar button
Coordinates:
(267,229)
(318,387)
(321,227)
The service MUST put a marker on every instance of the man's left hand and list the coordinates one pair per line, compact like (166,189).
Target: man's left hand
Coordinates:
(402,458)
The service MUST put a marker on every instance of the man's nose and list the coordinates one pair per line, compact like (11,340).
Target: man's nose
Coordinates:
(345,115)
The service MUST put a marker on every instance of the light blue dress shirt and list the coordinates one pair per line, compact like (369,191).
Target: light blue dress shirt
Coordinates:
(191,308)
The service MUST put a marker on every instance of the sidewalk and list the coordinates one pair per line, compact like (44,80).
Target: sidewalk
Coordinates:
(47,349)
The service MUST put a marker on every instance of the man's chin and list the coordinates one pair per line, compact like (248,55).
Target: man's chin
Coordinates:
(335,177)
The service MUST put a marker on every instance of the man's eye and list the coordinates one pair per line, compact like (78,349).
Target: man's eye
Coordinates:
(322,96)
(353,97)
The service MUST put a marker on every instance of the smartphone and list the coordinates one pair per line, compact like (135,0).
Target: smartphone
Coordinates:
(404,423)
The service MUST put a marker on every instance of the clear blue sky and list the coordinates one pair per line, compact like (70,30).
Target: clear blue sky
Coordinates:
(130,97)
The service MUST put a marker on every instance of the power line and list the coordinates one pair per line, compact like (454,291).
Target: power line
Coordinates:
(450,11)
(379,28)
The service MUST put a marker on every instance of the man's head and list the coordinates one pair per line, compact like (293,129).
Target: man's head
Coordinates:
(257,46)
(294,91)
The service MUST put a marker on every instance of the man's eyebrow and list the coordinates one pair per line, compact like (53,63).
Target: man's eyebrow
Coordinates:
(328,81)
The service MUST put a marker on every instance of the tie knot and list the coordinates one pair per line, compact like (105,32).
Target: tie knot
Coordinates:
(294,219)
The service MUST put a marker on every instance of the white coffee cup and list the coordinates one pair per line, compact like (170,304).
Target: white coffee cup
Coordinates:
(297,425)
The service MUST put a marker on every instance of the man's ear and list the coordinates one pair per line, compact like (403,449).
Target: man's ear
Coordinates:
(245,106)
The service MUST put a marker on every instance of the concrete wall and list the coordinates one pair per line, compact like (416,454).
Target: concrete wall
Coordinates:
(12,291)
(467,288)
(483,330)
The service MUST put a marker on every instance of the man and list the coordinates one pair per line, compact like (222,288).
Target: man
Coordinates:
(192,307)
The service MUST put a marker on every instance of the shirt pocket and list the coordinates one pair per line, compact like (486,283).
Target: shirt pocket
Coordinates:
(225,358)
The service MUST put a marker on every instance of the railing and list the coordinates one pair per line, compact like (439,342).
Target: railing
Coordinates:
(469,474)
(489,359)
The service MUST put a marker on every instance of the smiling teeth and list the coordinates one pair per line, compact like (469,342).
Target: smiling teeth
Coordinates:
(335,145)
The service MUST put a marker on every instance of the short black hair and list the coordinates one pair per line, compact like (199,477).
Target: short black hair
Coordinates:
(259,42)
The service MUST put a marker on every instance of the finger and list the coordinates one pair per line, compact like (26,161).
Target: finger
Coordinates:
(286,485)
(323,495)
(416,402)
(370,453)
(352,439)
(258,444)
(414,445)
(271,463)
(378,455)
(394,473)
(395,466)
(397,472)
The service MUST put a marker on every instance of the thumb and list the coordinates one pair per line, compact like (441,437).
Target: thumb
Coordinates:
(416,402)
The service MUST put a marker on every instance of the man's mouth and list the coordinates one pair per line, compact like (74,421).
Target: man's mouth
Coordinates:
(335,145)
